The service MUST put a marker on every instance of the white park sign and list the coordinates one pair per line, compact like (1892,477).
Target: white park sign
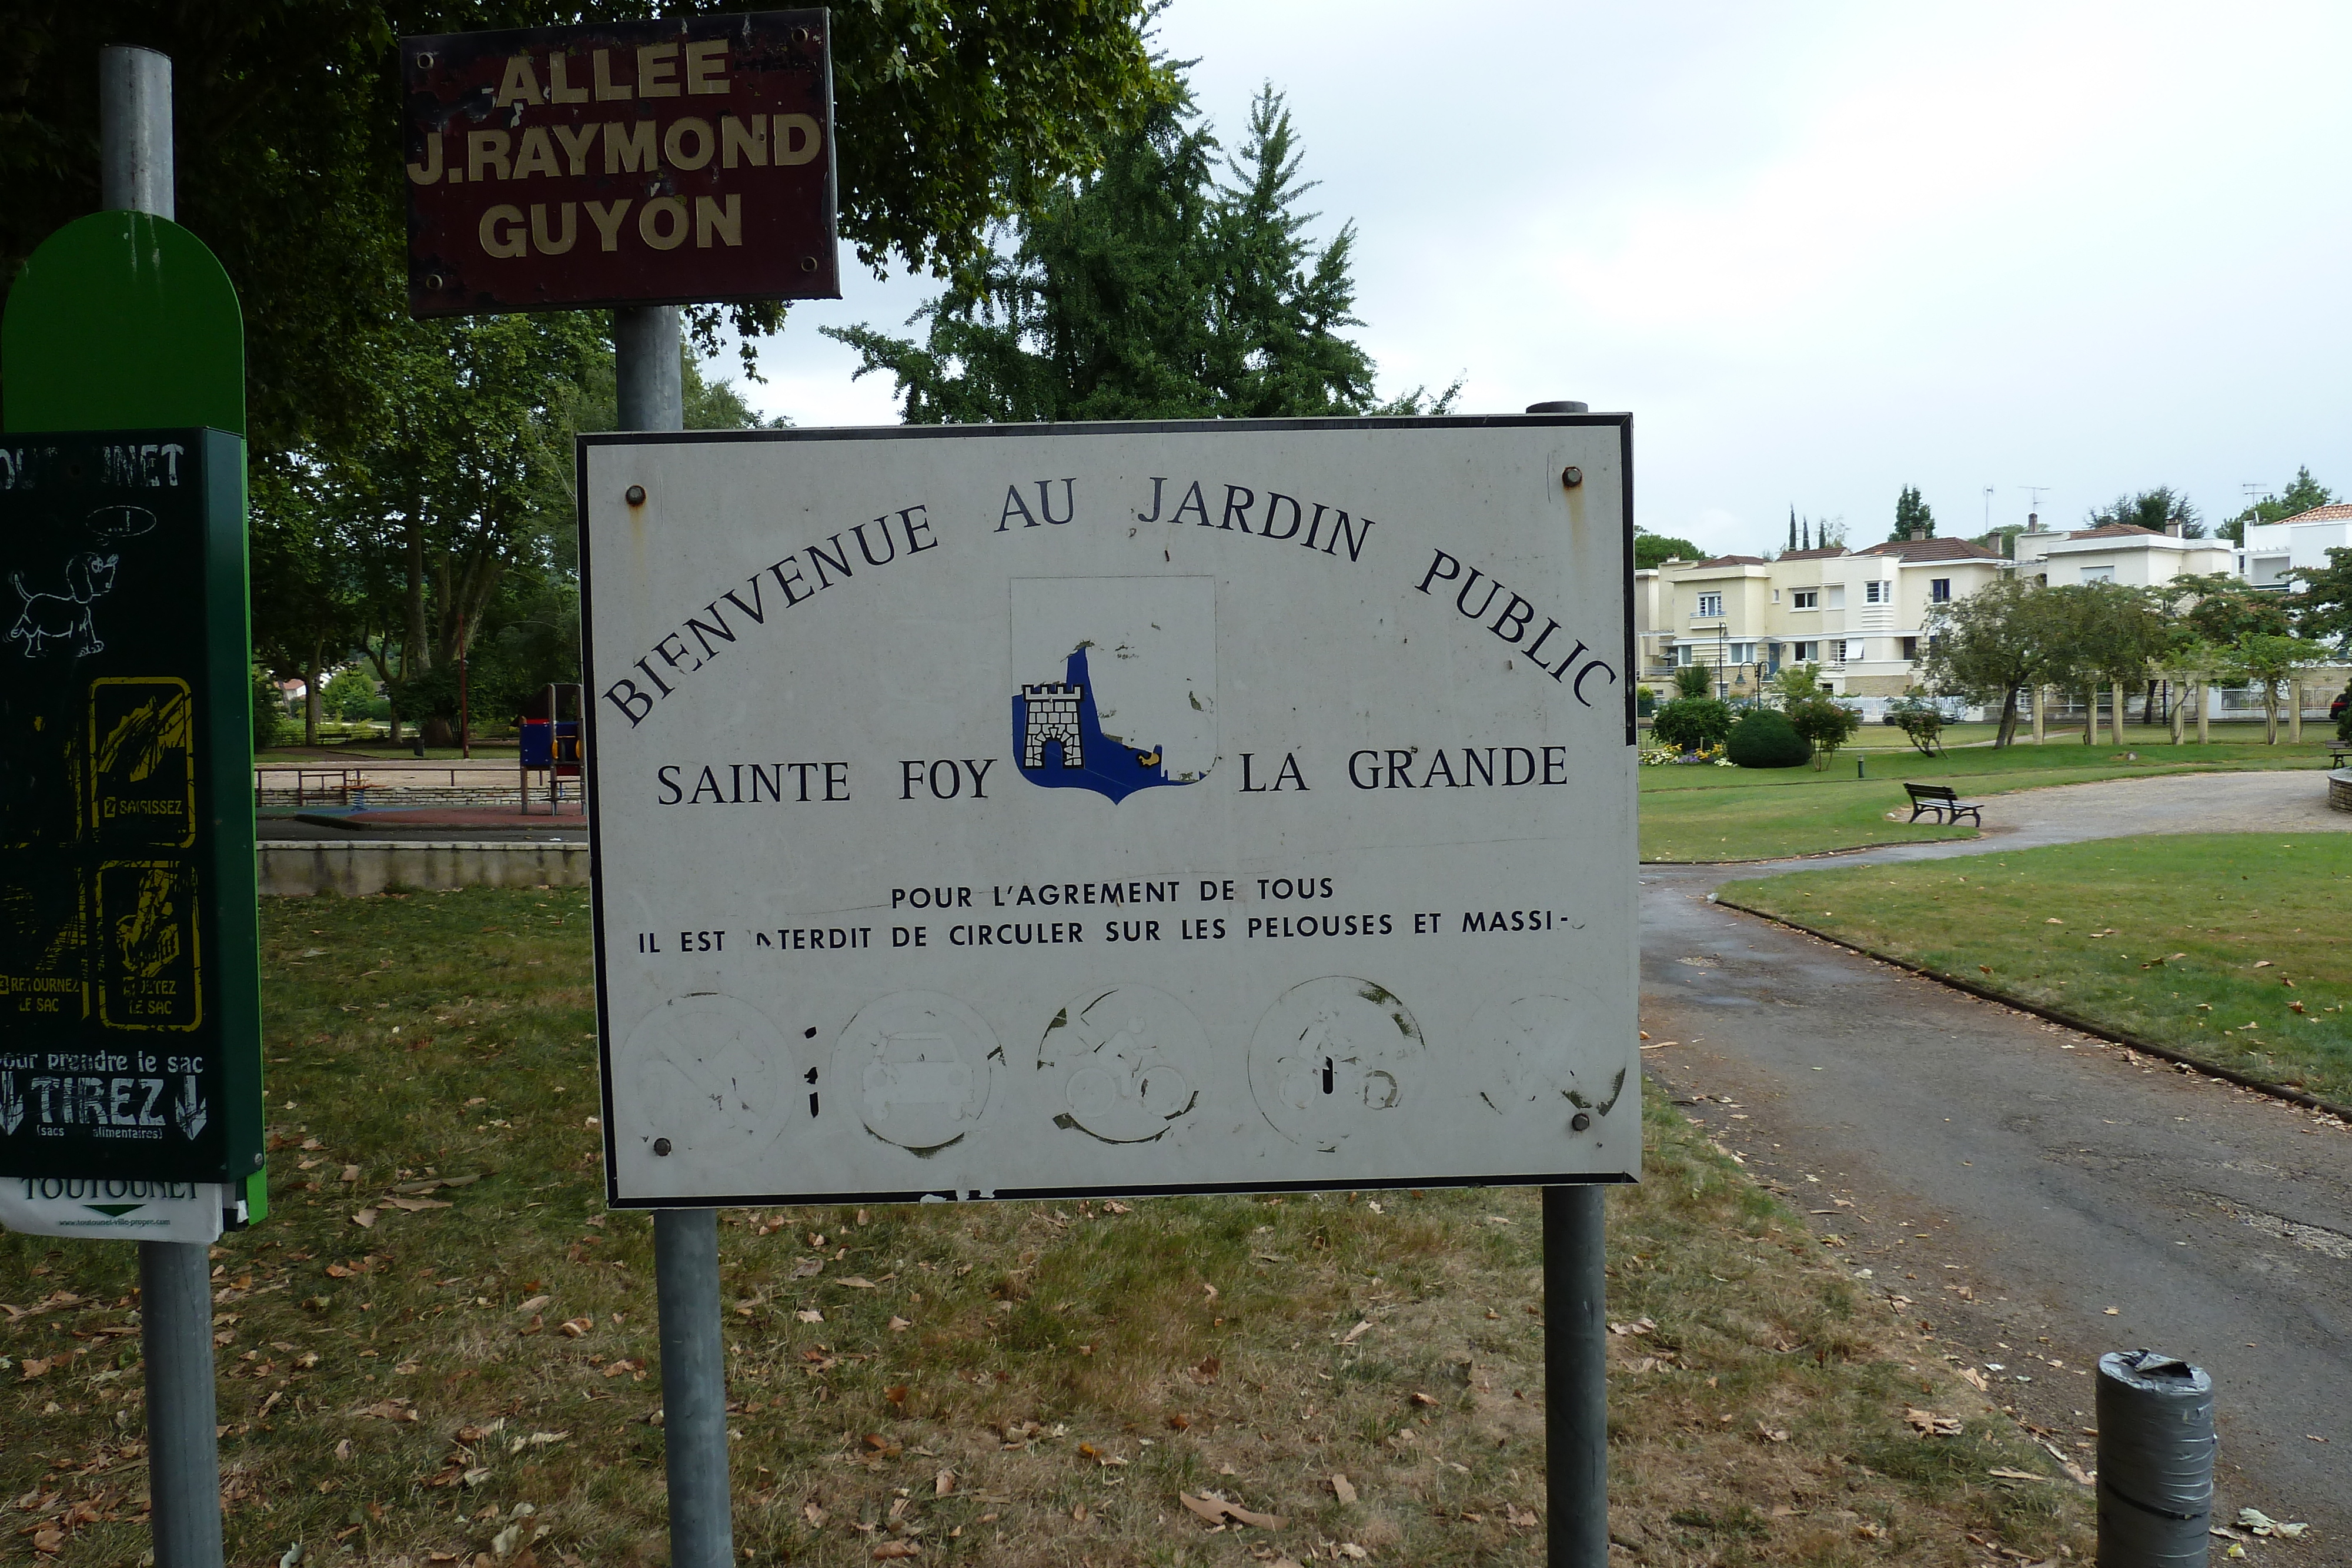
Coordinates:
(988,811)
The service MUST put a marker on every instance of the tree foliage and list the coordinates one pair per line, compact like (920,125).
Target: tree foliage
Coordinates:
(1994,644)
(1694,680)
(1824,723)
(2154,510)
(1914,519)
(1651,551)
(2323,603)
(1150,289)
(949,117)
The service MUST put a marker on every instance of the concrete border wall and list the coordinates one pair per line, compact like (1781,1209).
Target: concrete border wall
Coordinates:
(2340,789)
(354,868)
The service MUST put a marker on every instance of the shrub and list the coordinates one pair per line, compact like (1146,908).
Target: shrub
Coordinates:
(1825,724)
(1920,719)
(1691,723)
(1764,739)
(1693,681)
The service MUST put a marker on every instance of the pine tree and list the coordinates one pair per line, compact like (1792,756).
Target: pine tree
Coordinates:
(1151,291)
(1792,527)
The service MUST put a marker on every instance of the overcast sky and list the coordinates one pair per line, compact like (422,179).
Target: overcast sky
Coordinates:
(1819,251)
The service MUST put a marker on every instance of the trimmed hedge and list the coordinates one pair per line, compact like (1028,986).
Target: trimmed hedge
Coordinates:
(1764,739)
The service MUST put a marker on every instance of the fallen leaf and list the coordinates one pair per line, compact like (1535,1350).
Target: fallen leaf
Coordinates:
(890,1549)
(943,1483)
(857,1283)
(534,1305)
(1179,1423)
(2053,920)
(364,1219)
(1423,1400)
(1343,1489)
(1929,1424)
(1210,1291)
(2259,964)
(2005,1473)
(412,1204)
(899,1325)
(575,1327)
(33,1366)
(1772,1434)
(809,1316)
(1975,1379)
(1353,1335)
(877,1444)
(1114,1206)
(1206,1372)
(1517,1517)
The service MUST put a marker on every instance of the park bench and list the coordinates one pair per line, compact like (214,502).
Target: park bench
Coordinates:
(1940,800)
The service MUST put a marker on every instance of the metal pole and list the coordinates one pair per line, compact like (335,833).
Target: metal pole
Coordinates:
(135,128)
(176,1315)
(652,396)
(1576,1377)
(175,1295)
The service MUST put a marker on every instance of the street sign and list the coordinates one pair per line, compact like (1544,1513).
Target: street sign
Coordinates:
(130,1010)
(620,163)
(1097,808)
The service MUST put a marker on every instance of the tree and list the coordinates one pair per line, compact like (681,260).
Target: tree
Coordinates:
(2323,603)
(1921,720)
(1150,290)
(1655,549)
(1793,684)
(2112,633)
(1913,517)
(2221,607)
(1824,724)
(1694,680)
(1997,643)
(2154,510)
(349,695)
(1765,738)
(2297,498)
(2270,665)
(949,117)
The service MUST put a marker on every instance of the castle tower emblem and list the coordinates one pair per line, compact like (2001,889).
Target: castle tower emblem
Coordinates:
(1052,713)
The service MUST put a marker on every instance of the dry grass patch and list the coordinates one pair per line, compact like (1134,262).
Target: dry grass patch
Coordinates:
(1015,1384)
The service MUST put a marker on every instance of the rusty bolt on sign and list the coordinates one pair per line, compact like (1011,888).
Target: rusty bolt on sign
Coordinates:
(1571,477)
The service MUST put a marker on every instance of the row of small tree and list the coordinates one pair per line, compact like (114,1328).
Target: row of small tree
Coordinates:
(1806,721)
(2013,637)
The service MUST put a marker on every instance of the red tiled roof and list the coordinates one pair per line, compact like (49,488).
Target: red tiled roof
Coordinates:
(1932,550)
(2113,531)
(2333,512)
(1823,554)
(1734,560)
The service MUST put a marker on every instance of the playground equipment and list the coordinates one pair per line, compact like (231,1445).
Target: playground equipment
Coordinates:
(552,746)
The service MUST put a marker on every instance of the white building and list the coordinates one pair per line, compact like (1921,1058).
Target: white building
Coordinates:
(2118,552)
(2299,543)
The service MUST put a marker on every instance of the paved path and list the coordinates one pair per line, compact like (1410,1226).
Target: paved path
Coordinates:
(2015,1180)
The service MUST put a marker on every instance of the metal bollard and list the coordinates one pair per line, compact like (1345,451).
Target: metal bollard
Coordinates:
(2156,1461)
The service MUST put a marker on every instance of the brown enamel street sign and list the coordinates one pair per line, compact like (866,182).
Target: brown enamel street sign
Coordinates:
(620,163)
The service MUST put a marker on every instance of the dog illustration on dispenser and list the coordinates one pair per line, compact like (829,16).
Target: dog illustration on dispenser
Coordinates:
(64,617)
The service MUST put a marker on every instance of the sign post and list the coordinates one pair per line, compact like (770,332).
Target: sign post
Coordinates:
(131,1073)
(1097,810)
(639,166)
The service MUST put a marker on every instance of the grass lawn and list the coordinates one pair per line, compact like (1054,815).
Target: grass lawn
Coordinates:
(1708,813)
(414,1373)
(2231,948)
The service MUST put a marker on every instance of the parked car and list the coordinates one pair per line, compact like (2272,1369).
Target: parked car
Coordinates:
(2336,708)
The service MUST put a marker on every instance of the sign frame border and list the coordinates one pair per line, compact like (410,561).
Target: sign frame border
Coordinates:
(1624,423)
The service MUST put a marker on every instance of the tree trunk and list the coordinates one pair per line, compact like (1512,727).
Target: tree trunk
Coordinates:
(2172,702)
(2294,712)
(2091,717)
(2148,708)
(311,693)
(2204,733)
(2041,713)
(2115,710)
(2270,713)
(2007,733)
